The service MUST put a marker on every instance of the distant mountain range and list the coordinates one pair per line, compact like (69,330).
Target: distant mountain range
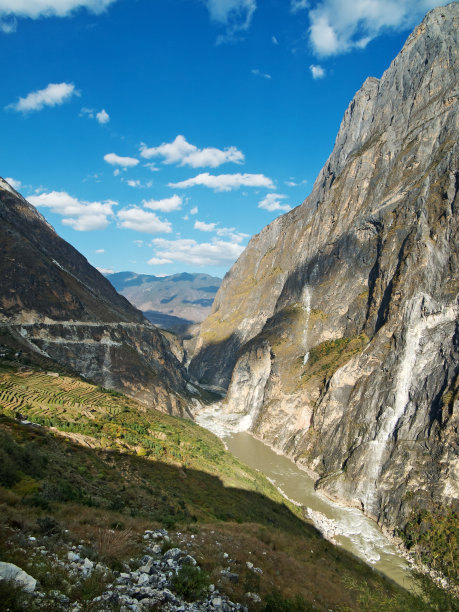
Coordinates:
(172,302)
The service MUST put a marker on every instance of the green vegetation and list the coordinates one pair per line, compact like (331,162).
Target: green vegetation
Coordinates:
(190,582)
(433,537)
(103,468)
(325,358)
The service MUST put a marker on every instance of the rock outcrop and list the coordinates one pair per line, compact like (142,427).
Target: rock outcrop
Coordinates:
(52,301)
(336,331)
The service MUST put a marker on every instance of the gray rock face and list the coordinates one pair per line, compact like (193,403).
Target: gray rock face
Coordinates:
(53,302)
(336,330)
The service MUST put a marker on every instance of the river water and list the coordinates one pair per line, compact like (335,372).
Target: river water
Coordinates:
(347,527)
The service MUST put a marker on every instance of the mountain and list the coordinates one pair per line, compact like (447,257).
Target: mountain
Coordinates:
(54,303)
(174,302)
(336,331)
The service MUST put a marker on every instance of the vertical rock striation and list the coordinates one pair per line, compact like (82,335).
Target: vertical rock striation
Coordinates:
(336,331)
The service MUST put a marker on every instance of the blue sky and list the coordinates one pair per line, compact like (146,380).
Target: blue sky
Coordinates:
(159,135)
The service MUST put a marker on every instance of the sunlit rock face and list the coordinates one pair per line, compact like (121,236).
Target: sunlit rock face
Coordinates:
(336,330)
(52,301)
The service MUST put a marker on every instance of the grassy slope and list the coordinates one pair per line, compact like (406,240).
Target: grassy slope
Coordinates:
(107,462)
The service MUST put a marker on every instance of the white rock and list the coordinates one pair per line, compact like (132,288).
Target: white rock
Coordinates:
(9,571)
(71,556)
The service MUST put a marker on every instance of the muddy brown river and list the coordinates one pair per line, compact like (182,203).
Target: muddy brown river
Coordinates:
(347,527)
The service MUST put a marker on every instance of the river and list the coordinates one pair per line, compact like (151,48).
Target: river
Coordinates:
(347,527)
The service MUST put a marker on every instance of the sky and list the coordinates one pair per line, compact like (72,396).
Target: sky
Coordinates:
(158,136)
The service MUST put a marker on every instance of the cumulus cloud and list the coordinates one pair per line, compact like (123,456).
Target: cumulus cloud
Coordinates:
(226,182)
(9,25)
(234,15)
(228,232)
(166,205)
(53,94)
(135,218)
(272,202)
(116,160)
(183,153)
(338,26)
(298,5)
(105,270)
(214,253)
(50,8)
(317,71)
(261,74)
(204,227)
(159,261)
(14,183)
(194,210)
(102,116)
(99,251)
(292,183)
(82,216)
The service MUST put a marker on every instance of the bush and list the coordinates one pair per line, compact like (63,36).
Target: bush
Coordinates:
(276,602)
(12,597)
(190,582)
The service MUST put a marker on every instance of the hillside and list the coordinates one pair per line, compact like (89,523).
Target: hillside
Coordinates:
(100,469)
(53,302)
(172,302)
(335,332)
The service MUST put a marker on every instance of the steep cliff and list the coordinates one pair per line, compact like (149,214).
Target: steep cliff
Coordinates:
(336,330)
(54,302)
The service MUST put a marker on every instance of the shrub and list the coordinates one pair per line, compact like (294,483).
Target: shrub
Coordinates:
(276,602)
(190,582)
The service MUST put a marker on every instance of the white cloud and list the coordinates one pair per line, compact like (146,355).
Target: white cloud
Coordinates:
(105,270)
(82,216)
(235,15)
(204,227)
(166,205)
(158,261)
(8,26)
(124,162)
(183,153)
(102,116)
(214,253)
(14,184)
(226,182)
(194,210)
(298,5)
(317,71)
(50,8)
(135,218)
(338,26)
(261,74)
(228,232)
(99,251)
(53,94)
(293,183)
(274,40)
(138,243)
(272,202)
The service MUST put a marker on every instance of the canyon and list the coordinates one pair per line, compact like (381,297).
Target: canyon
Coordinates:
(336,331)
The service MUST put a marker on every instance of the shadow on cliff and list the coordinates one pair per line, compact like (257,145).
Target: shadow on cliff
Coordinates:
(330,271)
(62,471)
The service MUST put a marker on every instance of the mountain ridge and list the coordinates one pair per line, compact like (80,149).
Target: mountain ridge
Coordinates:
(55,303)
(336,329)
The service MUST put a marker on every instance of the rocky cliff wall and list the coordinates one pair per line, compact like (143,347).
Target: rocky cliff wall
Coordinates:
(54,302)
(336,330)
